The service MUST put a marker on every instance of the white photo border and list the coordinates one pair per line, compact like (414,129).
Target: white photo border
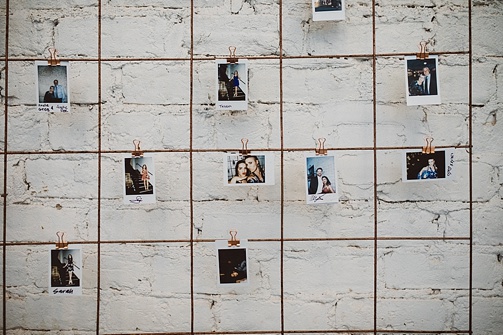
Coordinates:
(266,160)
(55,271)
(45,76)
(329,167)
(329,15)
(413,161)
(223,245)
(222,86)
(415,100)
(131,191)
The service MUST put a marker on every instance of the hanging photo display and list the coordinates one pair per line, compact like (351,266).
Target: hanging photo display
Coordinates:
(139,180)
(53,87)
(422,81)
(419,166)
(65,271)
(321,180)
(232,85)
(251,169)
(232,263)
(328,10)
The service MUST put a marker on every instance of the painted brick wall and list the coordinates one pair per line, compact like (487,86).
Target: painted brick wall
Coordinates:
(390,257)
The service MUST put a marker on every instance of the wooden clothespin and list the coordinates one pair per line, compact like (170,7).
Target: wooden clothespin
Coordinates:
(244,147)
(137,151)
(320,147)
(233,242)
(232,55)
(429,149)
(53,60)
(61,244)
(422,54)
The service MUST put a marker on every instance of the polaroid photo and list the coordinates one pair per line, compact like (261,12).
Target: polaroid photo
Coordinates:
(422,81)
(139,180)
(329,10)
(418,166)
(321,180)
(53,87)
(252,169)
(232,263)
(232,85)
(65,271)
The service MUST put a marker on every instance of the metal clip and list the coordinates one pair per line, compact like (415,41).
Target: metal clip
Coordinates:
(422,54)
(429,149)
(137,151)
(232,55)
(61,244)
(233,242)
(53,60)
(244,148)
(320,147)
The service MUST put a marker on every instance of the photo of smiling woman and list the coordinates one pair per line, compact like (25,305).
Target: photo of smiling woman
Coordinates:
(256,169)
(321,180)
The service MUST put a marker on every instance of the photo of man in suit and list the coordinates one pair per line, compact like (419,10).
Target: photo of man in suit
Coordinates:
(315,182)
(429,82)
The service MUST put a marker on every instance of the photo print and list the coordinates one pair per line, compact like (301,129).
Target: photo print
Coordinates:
(329,10)
(252,169)
(65,271)
(139,180)
(232,85)
(232,263)
(422,81)
(53,87)
(321,180)
(419,166)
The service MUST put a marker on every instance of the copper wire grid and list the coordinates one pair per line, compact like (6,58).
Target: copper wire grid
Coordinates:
(282,149)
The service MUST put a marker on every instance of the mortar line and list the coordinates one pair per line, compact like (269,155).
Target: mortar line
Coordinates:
(100,105)
(4,191)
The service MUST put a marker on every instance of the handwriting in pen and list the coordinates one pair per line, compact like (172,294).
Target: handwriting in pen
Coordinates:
(137,200)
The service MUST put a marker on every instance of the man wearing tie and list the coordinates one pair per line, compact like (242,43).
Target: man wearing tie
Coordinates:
(59,92)
(429,83)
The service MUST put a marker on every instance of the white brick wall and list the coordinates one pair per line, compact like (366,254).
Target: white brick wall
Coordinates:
(321,276)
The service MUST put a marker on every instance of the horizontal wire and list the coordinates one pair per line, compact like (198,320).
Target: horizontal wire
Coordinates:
(293,239)
(223,150)
(215,57)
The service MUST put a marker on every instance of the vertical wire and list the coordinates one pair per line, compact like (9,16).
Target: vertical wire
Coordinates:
(191,167)
(470,162)
(4,191)
(374,151)
(98,279)
(282,184)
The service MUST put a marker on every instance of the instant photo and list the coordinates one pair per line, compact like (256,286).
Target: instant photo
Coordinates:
(232,85)
(248,170)
(328,10)
(422,167)
(321,180)
(65,271)
(53,87)
(139,180)
(422,81)
(232,263)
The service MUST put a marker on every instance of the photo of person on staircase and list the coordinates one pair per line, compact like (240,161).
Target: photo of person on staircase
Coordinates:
(66,271)
(139,180)
(232,85)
